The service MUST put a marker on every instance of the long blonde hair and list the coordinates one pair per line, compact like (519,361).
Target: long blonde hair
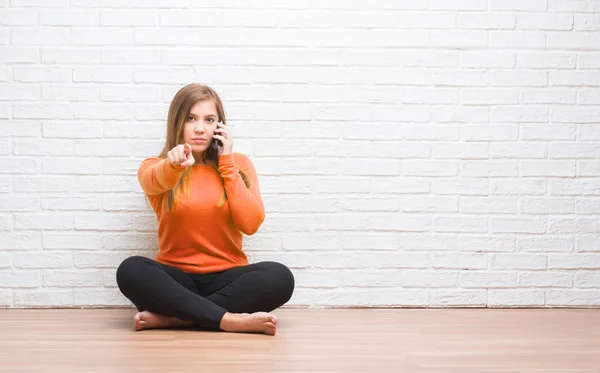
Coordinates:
(179,110)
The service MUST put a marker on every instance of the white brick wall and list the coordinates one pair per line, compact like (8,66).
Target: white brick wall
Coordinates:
(410,153)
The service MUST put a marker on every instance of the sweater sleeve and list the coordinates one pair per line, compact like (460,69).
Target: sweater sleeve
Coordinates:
(157,175)
(246,204)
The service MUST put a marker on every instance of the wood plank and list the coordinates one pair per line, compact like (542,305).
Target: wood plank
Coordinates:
(309,340)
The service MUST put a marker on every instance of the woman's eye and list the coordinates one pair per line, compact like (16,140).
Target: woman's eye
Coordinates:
(190,118)
(210,120)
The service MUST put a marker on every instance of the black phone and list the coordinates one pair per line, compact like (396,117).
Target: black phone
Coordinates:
(216,143)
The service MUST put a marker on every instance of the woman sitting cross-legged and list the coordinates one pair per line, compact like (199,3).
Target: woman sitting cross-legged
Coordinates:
(205,197)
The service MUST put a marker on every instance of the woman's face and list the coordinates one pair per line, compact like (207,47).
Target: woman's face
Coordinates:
(200,125)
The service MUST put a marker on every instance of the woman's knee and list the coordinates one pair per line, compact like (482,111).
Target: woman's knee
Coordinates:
(129,270)
(281,277)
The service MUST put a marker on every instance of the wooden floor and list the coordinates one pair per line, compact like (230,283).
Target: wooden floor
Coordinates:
(314,340)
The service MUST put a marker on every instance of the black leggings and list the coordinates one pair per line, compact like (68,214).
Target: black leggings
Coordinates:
(204,298)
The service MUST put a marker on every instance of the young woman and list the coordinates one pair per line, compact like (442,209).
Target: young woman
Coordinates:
(205,197)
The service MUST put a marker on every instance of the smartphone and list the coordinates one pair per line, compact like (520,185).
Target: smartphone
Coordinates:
(217,142)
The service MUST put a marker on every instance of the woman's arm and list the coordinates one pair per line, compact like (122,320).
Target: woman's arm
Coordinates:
(246,204)
(157,175)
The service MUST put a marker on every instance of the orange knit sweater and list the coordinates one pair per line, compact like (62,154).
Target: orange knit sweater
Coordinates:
(197,236)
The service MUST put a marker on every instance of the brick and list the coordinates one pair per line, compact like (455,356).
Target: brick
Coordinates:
(471,187)
(43,298)
(428,279)
(514,5)
(459,261)
(458,39)
(42,260)
(573,261)
(519,298)
(42,111)
(548,243)
(19,203)
(454,298)
(486,243)
(20,241)
(367,204)
(75,166)
(106,221)
(573,225)
(588,96)
(566,187)
(102,111)
(71,203)
(429,168)
(573,298)
(588,131)
(39,74)
(135,17)
(547,168)
(371,167)
(487,168)
(517,225)
(71,241)
(545,21)
(546,279)
(73,279)
(588,168)
(40,3)
(588,60)
(435,242)
(44,221)
(496,96)
(518,150)
(322,279)
(18,17)
(485,21)
(400,260)
(548,131)
(457,78)
(518,261)
(103,74)
(40,36)
(141,56)
(546,60)
(480,279)
(133,241)
(519,78)
(516,39)
(429,204)
(490,132)
(519,114)
(459,224)
(426,132)
(462,114)
(108,36)
(369,242)
(78,17)
(381,278)
(542,205)
(573,78)
(498,59)
(548,96)
(488,205)
(587,280)
(71,130)
(587,206)
(70,93)
(66,55)
(573,6)
(20,279)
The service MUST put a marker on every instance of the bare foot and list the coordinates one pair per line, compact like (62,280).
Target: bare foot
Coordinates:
(148,320)
(258,322)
